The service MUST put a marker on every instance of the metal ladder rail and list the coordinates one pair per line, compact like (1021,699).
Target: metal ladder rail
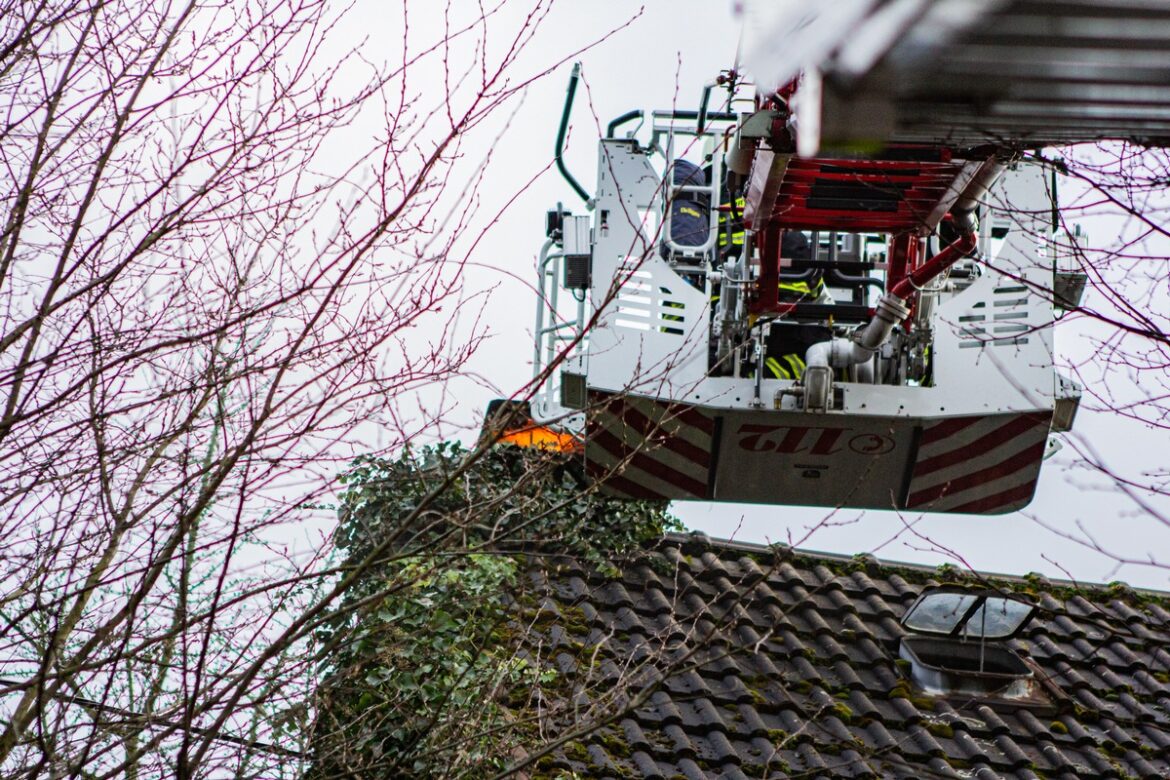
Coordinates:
(547,338)
(716,125)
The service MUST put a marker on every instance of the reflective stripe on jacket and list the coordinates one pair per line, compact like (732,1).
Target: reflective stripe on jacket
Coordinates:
(801,289)
(790,366)
(736,224)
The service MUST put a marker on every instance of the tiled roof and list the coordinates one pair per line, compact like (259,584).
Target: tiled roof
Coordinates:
(710,659)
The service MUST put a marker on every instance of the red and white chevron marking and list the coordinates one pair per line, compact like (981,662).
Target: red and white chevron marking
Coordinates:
(642,448)
(980,465)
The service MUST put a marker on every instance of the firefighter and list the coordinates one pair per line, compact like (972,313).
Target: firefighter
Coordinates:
(787,343)
(731,227)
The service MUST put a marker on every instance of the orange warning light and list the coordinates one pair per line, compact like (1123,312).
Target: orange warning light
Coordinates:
(542,438)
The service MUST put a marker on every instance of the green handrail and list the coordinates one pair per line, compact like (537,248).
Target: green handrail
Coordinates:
(564,129)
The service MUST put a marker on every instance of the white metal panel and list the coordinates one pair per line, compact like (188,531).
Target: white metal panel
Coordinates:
(993,341)
(817,460)
(651,334)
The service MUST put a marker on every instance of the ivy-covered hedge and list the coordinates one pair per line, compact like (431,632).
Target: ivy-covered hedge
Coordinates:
(428,661)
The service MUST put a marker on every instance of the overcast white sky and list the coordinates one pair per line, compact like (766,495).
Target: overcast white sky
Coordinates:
(664,57)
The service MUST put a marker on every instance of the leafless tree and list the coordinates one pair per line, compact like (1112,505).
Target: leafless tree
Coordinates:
(1116,342)
(212,283)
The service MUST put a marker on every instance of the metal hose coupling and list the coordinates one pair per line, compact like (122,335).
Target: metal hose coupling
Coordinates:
(890,311)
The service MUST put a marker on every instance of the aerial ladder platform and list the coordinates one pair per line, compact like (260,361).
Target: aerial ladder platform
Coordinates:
(835,284)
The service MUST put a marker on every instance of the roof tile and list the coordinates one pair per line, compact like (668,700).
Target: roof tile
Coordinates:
(647,767)
(600,762)
(1156,736)
(777,668)
(1142,768)
(1159,613)
(1012,752)
(860,582)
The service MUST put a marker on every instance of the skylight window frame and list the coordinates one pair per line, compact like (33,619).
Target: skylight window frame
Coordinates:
(981,596)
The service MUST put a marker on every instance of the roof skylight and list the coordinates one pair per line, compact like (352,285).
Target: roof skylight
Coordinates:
(955,649)
(965,613)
